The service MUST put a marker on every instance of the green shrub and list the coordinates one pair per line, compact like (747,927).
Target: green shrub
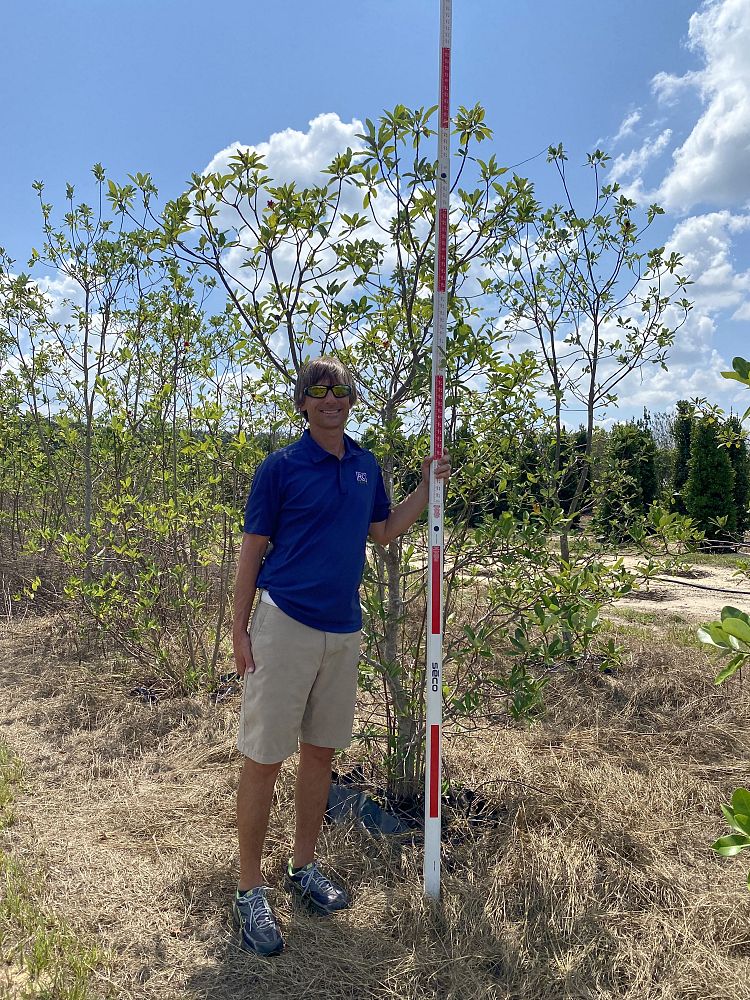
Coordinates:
(709,491)
(683,432)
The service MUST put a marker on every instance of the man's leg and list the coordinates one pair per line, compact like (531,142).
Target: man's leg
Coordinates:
(254,795)
(310,799)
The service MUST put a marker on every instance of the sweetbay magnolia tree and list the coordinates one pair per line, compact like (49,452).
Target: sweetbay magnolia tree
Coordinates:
(346,266)
(597,304)
(342,266)
(294,261)
(123,447)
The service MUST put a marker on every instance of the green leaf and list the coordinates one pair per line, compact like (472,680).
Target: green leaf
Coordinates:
(731,668)
(736,627)
(737,820)
(731,821)
(741,371)
(731,845)
(714,634)
(741,801)
(705,636)
(729,612)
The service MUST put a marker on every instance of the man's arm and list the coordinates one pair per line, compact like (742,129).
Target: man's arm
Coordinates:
(248,566)
(406,513)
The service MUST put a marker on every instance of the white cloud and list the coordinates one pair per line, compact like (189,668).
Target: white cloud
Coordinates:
(721,294)
(694,371)
(61,292)
(635,161)
(297,156)
(627,125)
(667,87)
(290,156)
(293,156)
(711,166)
(706,241)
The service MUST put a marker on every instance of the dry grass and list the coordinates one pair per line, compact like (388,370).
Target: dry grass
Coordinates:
(598,883)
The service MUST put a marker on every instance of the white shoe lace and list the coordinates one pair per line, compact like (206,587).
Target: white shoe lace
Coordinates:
(323,883)
(261,913)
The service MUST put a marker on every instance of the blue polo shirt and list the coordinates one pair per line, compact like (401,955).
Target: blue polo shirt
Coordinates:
(316,510)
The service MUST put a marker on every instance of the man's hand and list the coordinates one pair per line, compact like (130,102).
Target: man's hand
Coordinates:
(442,468)
(243,654)
(248,566)
(406,513)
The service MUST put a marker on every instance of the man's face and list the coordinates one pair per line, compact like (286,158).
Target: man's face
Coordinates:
(329,413)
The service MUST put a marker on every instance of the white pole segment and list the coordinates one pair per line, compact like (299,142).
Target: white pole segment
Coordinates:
(434,685)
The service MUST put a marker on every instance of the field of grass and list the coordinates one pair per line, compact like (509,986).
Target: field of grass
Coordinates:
(42,957)
(590,877)
(726,559)
(665,627)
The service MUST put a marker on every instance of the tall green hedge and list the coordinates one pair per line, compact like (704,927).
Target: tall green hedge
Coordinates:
(709,490)
(741,465)
(683,429)
(629,485)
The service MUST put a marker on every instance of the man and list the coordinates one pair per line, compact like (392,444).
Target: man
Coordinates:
(315,501)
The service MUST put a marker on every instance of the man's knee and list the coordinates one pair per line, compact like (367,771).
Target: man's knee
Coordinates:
(255,771)
(323,755)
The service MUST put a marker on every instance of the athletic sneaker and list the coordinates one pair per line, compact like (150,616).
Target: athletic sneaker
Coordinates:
(259,931)
(315,889)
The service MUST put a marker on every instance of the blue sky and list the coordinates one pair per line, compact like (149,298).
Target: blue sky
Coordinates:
(166,86)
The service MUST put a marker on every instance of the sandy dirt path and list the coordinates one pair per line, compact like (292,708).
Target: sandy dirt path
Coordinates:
(695,598)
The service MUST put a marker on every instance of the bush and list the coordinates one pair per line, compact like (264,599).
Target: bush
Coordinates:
(709,491)
(683,430)
(629,485)
(737,450)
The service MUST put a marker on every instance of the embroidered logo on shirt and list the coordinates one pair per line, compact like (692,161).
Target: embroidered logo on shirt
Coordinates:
(361,477)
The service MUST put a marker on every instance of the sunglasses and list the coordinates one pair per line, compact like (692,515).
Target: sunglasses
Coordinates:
(321,391)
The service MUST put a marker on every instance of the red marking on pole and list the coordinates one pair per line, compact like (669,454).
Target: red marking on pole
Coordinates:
(439,408)
(442,248)
(445,88)
(434,771)
(436,589)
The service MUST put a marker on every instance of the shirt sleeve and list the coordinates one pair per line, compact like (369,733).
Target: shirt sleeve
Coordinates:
(264,501)
(381,506)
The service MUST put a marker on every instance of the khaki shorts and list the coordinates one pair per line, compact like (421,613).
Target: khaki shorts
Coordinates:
(304,687)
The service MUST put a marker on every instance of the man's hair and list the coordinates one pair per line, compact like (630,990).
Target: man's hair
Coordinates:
(321,369)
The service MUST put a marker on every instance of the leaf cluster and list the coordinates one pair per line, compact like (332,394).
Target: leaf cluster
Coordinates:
(737,815)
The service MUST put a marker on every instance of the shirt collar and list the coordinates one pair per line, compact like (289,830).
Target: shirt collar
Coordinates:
(317,454)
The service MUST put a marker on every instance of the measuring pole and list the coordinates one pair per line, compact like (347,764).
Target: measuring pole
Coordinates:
(434,686)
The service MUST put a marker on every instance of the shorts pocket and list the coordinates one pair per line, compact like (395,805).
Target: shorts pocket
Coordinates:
(259,617)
